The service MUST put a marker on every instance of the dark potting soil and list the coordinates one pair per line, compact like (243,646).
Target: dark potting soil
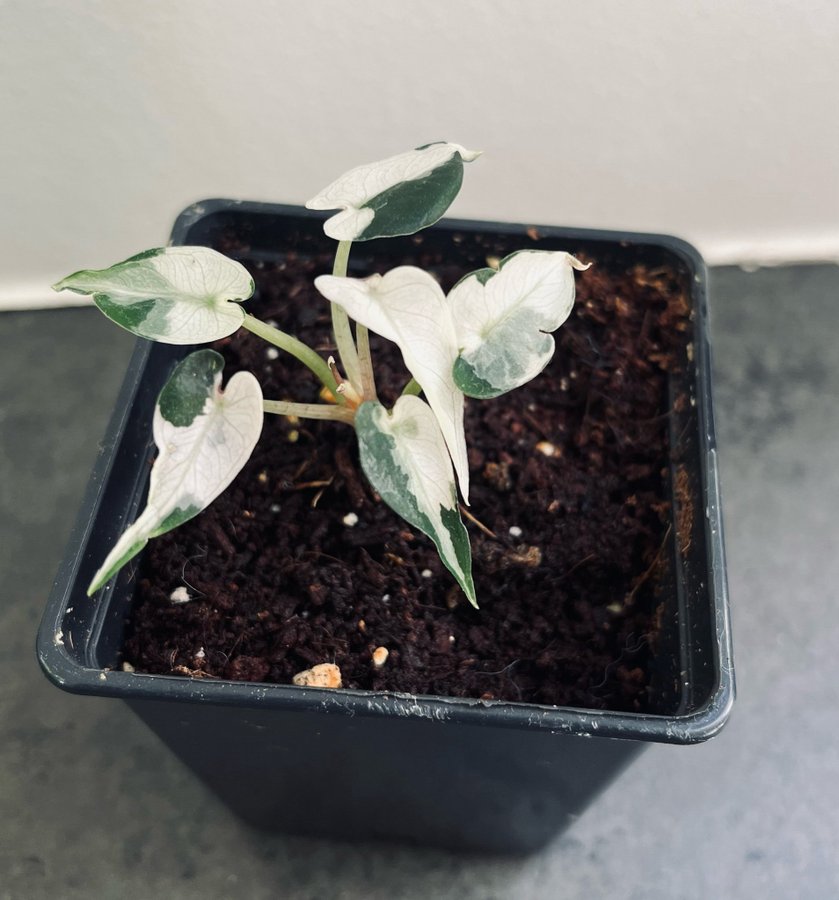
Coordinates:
(299,563)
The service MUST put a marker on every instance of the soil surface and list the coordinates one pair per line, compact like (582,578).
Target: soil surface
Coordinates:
(299,563)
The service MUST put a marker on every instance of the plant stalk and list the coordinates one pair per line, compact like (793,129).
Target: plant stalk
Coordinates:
(341,321)
(368,379)
(412,387)
(309,410)
(298,350)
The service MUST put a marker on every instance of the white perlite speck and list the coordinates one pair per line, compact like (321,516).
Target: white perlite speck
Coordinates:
(180,595)
(200,654)
(272,353)
(426,573)
(515,531)
(350,519)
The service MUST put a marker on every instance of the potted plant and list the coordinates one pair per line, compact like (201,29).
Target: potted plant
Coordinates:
(292,643)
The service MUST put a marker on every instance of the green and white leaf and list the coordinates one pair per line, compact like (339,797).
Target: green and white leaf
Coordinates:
(408,307)
(503,319)
(404,456)
(204,436)
(175,295)
(395,196)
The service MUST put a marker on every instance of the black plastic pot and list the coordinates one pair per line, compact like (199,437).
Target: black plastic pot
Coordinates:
(456,773)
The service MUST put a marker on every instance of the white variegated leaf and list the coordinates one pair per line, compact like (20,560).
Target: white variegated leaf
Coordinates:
(204,437)
(395,196)
(503,319)
(408,307)
(405,458)
(175,295)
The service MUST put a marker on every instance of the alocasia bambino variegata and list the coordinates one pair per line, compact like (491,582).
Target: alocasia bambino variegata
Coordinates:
(490,334)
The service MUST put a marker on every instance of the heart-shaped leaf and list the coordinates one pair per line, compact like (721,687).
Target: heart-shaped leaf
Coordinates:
(408,307)
(175,295)
(395,196)
(404,456)
(204,437)
(502,319)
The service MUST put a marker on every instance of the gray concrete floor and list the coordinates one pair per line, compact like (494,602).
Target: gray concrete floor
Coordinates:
(92,806)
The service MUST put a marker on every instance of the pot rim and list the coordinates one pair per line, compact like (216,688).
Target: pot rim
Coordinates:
(66,670)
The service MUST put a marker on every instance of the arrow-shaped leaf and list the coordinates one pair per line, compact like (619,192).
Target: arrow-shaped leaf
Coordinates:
(395,196)
(175,295)
(408,307)
(404,456)
(502,319)
(204,437)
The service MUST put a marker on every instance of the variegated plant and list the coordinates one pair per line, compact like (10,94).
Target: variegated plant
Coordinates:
(490,334)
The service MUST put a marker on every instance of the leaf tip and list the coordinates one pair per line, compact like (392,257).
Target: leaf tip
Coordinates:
(95,583)
(469,155)
(467,585)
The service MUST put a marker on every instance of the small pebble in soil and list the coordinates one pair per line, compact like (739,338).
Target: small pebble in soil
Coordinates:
(323,675)
(515,531)
(350,519)
(526,556)
(200,654)
(262,478)
(180,595)
(380,655)
(272,353)
(426,573)
(127,667)
(275,507)
(546,448)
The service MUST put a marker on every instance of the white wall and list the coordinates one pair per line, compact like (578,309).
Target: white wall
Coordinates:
(718,121)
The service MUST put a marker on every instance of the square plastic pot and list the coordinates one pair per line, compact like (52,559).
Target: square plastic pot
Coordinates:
(457,773)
